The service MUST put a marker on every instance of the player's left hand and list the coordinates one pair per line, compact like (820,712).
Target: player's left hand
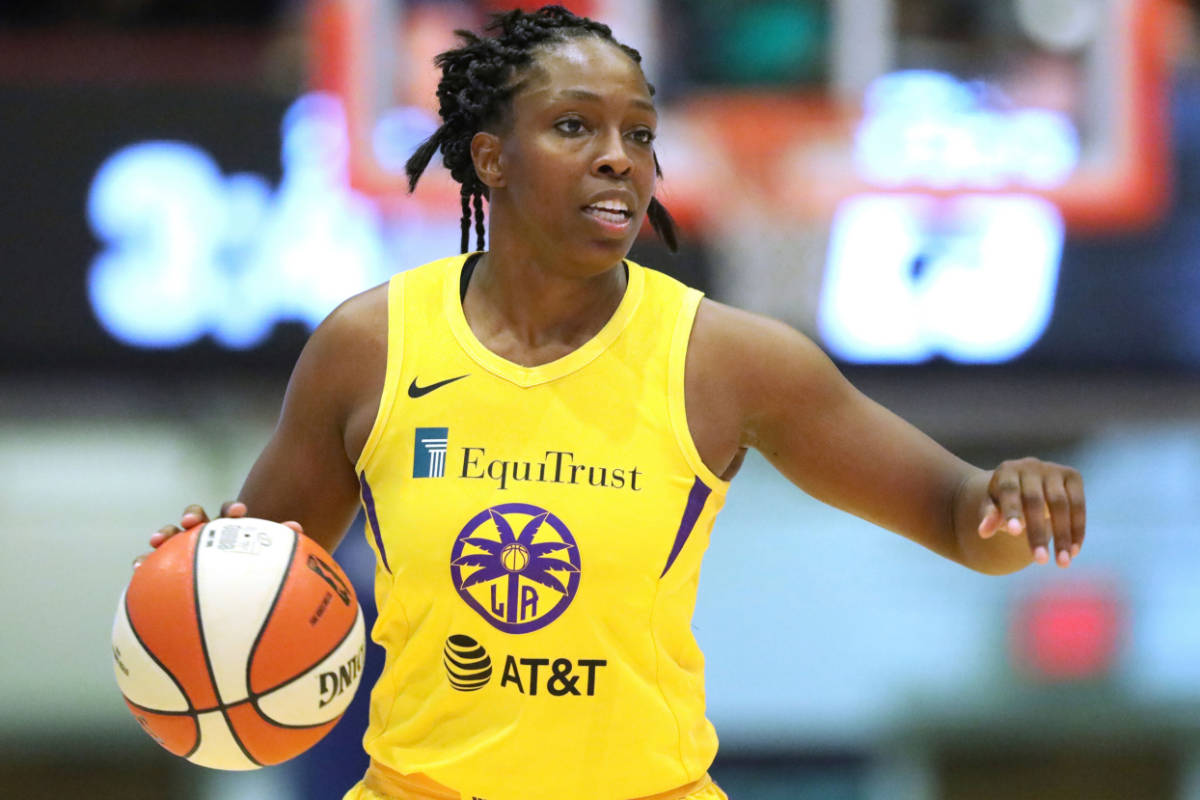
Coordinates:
(1041,500)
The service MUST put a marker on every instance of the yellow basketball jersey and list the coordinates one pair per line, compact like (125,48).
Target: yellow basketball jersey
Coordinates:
(538,532)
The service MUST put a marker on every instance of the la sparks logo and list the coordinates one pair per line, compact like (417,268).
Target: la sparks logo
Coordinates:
(517,565)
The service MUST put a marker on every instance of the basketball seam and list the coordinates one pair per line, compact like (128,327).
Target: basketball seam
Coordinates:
(189,713)
(191,709)
(284,725)
(254,695)
(254,698)
(290,727)
(129,618)
(204,648)
(195,713)
(262,628)
(287,725)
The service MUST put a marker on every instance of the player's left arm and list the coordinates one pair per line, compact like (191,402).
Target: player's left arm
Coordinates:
(795,407)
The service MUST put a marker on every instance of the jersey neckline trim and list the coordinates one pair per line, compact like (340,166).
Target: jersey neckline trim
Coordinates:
(543,373)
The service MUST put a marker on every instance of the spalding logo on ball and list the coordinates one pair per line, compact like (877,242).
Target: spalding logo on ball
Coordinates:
(238,644)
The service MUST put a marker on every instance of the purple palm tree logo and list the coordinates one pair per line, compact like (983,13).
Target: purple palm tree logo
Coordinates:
(509,577)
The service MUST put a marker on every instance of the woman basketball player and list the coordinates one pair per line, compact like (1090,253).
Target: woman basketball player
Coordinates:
(541,434)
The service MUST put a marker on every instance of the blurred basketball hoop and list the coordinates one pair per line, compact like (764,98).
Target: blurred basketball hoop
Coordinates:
(1097,65)
(1055,109)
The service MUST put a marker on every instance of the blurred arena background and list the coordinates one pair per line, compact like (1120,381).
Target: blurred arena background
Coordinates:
(987,210)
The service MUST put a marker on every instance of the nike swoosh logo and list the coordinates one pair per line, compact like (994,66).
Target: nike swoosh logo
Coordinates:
(420,391)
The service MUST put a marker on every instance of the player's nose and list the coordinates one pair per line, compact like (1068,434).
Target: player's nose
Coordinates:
(612,159)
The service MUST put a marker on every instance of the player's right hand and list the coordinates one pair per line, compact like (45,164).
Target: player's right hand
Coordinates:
(192,516)
(195,515)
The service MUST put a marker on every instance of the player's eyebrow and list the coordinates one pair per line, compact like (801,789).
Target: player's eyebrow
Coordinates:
(592,97)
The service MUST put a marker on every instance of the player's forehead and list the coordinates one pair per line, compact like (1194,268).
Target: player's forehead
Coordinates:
(585,69)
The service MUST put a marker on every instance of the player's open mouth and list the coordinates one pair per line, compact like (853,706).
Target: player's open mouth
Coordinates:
(610,212)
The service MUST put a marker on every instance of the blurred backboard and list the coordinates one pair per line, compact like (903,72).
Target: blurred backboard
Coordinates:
(1065,100)
(1062,99)
(871,171)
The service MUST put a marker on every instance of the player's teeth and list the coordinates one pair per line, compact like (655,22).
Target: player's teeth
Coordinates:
(608,216)
(615,207)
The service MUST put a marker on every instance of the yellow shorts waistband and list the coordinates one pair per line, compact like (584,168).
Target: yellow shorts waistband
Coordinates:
(395,785)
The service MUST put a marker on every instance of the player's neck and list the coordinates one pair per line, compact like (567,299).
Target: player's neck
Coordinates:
(530,312)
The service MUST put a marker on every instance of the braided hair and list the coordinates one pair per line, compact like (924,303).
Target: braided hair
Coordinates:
(476,89)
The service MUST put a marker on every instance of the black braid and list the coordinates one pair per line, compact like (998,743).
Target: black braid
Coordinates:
(466,219)
(663,224)
(475,91)
(660,219)
(479,231)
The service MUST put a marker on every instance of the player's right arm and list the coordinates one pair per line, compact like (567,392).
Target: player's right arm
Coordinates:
(305,474)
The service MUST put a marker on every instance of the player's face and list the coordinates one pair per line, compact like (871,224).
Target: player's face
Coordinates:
(578,155)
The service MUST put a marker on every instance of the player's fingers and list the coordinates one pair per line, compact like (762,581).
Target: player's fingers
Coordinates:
(233,508)
(1073,482)
(193,515)
(1005,489)
(1033,502)
(162,534)
(1060,517)
(296,526)
(991,520)
(137,562)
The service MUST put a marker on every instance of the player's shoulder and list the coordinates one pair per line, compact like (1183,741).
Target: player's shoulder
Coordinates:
(361,316)
(349,348)
(728,328)
(730,344)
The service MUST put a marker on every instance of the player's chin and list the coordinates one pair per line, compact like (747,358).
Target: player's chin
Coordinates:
(612,241)
(606,253)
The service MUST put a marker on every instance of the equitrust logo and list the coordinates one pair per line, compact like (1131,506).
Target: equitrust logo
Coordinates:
(429,452)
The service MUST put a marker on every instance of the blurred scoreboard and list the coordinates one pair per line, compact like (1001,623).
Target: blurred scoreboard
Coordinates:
(907,182)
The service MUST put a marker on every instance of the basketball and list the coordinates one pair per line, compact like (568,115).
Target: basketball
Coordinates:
(238,644)
(515,557)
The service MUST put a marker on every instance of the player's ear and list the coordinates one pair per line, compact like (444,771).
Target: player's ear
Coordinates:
(485,153)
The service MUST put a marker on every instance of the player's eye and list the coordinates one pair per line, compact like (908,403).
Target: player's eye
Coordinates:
(570,126)
(643,136)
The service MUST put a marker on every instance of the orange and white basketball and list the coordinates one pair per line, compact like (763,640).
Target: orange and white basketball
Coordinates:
(238,644)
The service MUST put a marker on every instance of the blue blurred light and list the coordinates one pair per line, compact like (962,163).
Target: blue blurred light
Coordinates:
(911,277)
(970,278)
(190,252)
(927,128)
(399,132)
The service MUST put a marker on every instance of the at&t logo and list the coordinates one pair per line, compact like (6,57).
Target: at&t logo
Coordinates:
(468,665)
(469,668)
(517,581)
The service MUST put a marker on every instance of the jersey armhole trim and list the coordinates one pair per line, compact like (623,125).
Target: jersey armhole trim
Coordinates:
(391,375)
(676,397)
